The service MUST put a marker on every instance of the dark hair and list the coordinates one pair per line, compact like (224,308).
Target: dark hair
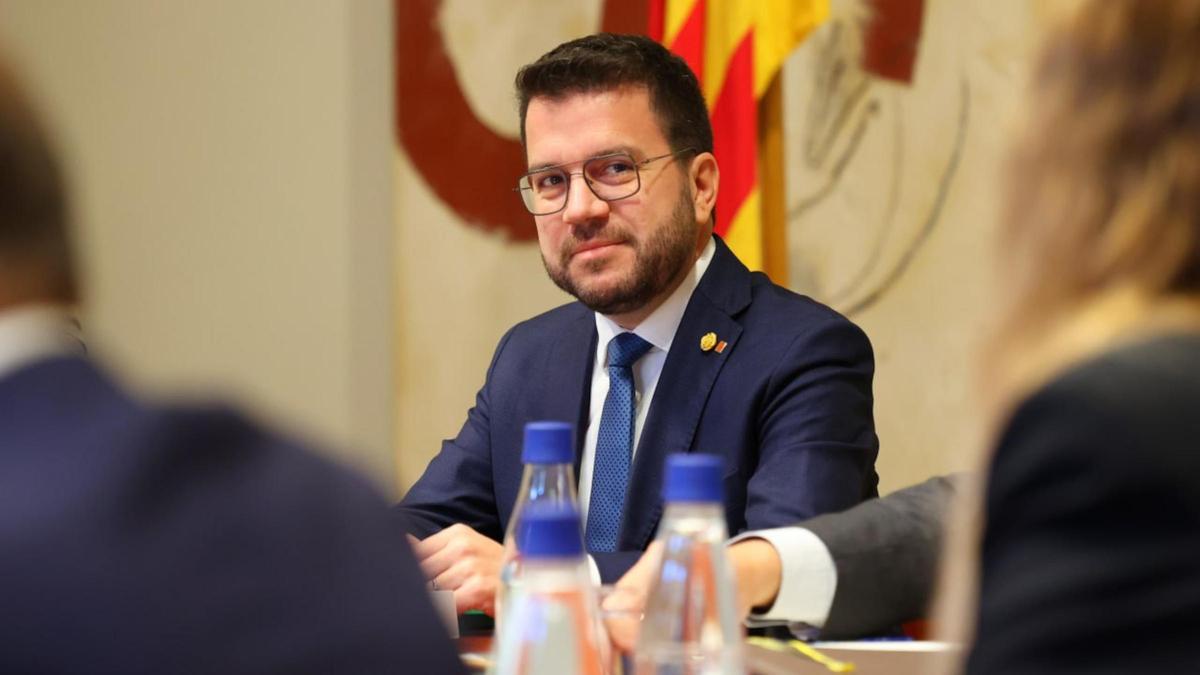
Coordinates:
(607,61)
(33,204)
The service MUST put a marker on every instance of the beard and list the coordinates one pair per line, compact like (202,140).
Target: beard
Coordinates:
(658,262)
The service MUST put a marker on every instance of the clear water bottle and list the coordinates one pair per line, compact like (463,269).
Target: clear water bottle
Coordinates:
(552,625)
(549,477)
(691,625)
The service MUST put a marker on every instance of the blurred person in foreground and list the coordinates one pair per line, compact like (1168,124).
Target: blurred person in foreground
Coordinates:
(1089,559)
(1085,556)
(145,539)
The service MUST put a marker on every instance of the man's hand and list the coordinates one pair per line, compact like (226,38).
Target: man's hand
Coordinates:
(460,559)
(757,572)
(623,607)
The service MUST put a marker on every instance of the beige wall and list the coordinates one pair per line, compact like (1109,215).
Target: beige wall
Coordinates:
(458,288)
(856,212)
(232,162)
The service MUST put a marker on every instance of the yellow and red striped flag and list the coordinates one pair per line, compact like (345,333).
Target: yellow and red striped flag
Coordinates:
(736,48)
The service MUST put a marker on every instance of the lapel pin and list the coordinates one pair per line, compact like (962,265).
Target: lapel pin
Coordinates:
(708,341)
(721,346)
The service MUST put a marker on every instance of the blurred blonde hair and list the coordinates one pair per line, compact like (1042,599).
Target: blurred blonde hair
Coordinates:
(1099,238)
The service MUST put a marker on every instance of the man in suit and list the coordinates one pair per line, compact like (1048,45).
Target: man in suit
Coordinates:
(672,346)
(143,539)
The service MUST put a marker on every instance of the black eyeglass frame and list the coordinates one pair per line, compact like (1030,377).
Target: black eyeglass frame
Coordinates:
(637,166)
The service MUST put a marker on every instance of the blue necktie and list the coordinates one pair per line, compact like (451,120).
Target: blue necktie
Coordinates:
(614,444)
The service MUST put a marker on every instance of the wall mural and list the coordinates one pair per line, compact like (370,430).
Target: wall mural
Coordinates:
(437,128)
(895,114)
(857,75)
(864,43)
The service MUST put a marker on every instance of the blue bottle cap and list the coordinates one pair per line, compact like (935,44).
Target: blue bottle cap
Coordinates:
(693,478)
(549,443)
(549,531)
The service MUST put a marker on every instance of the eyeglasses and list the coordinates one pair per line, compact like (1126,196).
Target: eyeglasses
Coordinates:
(609,177)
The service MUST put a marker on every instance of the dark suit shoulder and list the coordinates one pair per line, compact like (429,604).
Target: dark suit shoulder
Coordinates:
(790,338)
(1093,519)
(1136,401)
(752,298)
(71,410)
(542,326)
(188,539)
(528,343)
(1170,362)
(269,474)
(767,297)
(781,314)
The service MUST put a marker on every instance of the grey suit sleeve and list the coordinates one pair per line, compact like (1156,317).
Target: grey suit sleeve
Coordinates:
(886,552)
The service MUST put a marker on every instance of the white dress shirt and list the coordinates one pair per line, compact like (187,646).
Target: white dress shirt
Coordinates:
(30,333)
(807,582)
(659,330)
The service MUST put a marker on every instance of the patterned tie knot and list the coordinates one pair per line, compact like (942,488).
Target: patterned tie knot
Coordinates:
(625,349)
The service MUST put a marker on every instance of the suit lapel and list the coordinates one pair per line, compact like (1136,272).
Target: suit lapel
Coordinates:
(568,377)
(683,388)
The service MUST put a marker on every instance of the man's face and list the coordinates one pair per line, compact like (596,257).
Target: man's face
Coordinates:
(619,258)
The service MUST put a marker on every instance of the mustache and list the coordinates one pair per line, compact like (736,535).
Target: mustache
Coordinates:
(572,244)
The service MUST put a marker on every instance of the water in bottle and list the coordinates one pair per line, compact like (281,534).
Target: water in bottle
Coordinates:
(691,626)
(551,626)
(549,457)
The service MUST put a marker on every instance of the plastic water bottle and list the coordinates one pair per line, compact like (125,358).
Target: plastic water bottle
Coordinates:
(552,625)
(549,477)
(691,625)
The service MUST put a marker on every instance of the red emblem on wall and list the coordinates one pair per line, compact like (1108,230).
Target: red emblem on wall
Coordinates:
(472,169)
(467,165)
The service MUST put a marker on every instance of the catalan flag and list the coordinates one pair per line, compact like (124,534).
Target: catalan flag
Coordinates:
(736,48)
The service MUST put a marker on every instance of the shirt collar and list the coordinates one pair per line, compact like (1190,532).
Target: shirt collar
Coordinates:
(30,333)
(659,328)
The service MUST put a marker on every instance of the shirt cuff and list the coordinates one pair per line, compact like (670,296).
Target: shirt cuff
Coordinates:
(808,579)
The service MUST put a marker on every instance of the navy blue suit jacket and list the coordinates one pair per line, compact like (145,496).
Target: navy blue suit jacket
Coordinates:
(148,540)
(787,402)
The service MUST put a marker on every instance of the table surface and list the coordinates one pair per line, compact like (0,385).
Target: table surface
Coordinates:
(869,658)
